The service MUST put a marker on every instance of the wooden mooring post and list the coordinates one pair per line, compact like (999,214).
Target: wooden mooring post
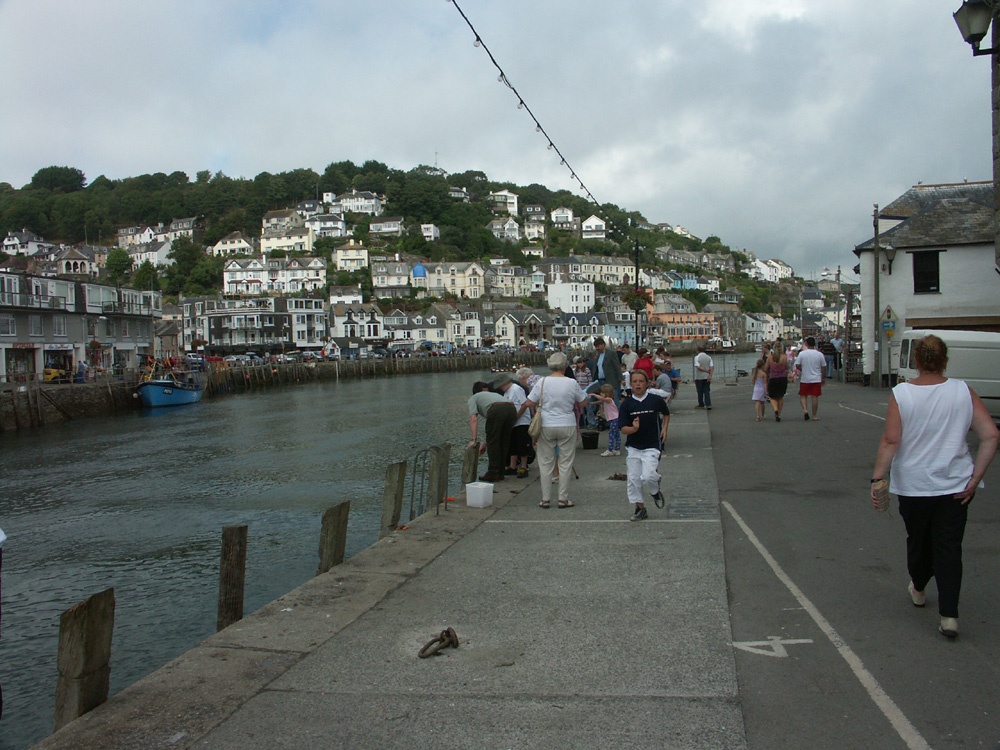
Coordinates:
(232,576)
(392,499)
(333,537)
(437,475)
(84,657)
(470,464)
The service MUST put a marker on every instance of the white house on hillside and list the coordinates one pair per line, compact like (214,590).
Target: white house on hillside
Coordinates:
(503,201)
(594,228)
(233,243)
(572,294)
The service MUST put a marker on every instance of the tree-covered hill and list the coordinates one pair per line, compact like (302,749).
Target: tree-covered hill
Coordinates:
(61,206)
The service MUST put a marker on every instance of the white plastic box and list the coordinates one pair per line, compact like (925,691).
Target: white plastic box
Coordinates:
(479,494)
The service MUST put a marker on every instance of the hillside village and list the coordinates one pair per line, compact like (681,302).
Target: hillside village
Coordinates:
(333,276)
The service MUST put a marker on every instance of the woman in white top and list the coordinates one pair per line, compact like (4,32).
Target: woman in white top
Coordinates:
(933,472)
(559,396)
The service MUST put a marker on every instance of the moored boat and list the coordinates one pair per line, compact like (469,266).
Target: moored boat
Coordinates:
(170,389)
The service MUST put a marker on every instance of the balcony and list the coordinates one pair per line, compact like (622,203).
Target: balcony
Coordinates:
(32,301)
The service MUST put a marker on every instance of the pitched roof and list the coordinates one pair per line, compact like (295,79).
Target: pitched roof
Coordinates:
(948,221)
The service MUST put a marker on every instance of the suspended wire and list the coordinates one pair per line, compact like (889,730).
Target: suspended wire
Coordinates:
(522,104)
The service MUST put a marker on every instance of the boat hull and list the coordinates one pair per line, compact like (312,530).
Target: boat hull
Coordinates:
(157,393)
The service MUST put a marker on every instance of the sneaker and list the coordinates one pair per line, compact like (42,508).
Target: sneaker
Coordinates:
(509,472)
(522,473)
(917,597)
(616,453)
(640,514)
(708,408)
(607,453)
(948,627)
(659,499)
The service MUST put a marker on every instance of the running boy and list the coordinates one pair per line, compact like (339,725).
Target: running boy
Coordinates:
(639,420)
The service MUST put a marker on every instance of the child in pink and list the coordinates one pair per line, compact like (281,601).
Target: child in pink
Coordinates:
(759,396)
(610,409)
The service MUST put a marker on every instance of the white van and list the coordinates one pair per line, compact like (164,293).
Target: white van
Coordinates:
(973,356)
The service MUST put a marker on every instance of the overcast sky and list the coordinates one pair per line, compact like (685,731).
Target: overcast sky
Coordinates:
(773,124)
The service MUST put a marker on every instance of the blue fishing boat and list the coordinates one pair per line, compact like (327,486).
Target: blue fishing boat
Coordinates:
(170,389)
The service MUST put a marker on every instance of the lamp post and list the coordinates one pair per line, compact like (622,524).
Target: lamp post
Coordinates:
(974,19)
(637,292)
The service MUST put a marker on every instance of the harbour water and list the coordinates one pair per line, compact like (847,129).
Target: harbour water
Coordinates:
(138,502)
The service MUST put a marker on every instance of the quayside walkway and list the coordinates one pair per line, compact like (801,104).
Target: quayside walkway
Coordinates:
(577,628)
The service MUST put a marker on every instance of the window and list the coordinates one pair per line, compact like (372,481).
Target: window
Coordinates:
(926,272)
(7,327)
(34,325)
(59,325)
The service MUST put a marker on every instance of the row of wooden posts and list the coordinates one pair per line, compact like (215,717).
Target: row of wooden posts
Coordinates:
(85,630)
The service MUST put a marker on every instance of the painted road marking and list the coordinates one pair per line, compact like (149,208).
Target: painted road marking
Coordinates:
(867,414)
(773,646)
(907,732)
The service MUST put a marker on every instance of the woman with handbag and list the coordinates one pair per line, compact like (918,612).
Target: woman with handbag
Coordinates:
(555,397)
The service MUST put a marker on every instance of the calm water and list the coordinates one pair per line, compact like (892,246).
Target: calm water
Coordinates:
(138,502)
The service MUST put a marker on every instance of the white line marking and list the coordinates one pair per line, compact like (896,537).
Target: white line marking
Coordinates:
(867,414)
(906,731)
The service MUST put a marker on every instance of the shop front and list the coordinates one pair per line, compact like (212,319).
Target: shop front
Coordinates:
(20,362)
(58,362)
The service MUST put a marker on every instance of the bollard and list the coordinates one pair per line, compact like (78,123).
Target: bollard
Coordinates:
(333,537)
(232,575)
(84,657)
(392,499)
(470,464)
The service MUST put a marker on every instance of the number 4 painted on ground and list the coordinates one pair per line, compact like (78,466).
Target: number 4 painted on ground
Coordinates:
(773,646)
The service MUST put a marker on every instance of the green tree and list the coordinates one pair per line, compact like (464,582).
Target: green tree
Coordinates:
(185,254)
(59,179)
(146,277)
(118,266)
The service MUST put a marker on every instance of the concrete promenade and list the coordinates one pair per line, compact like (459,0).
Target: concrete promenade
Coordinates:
(577,628)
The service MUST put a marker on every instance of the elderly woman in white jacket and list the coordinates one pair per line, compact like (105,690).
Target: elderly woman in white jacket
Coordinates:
(557,396)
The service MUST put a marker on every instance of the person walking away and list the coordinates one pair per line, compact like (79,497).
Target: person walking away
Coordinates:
(610,410)
(811,366)
(675,375)
(758,378)
(777,378)
(558,396)
(838,346)
(829,354)
(924,450)
(639,419)
(499,416)
(703,369)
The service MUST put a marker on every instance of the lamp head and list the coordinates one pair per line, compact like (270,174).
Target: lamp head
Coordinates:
(973,20)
